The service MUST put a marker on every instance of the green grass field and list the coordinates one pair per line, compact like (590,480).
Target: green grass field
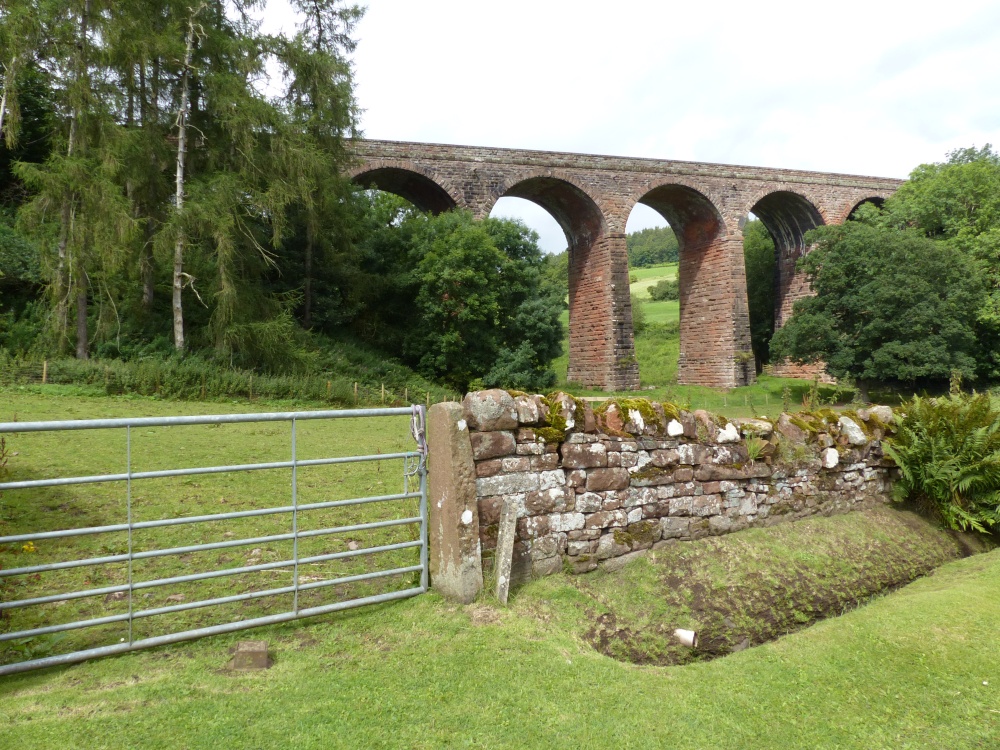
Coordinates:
(45,455)
(912,669)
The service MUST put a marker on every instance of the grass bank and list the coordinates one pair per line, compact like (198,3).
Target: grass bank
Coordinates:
(915,668)
(912,669)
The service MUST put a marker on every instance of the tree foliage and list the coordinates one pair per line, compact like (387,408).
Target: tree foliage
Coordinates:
(889,305)
(758,254)
(137,192)
(652,246)
(909,292)
(665,289)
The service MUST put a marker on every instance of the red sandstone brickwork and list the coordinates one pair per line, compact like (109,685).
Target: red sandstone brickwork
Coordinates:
(592,196)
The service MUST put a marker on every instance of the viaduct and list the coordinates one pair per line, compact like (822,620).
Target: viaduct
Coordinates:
(592,196)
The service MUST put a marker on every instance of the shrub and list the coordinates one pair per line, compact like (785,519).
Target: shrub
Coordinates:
(665,289)
(948,452)
(639,323)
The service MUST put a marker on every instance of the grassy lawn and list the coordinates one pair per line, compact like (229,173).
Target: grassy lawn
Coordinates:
(47,455)
(912,669)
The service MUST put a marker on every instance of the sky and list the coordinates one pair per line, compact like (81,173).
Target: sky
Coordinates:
(874,88)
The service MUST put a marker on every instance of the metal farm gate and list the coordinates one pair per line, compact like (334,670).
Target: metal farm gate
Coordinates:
(141,598)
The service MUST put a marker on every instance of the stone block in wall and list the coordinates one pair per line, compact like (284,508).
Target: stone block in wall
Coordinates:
(530,449)
(507,484)
(567,521)
(589,502)
(693,454)
(614,460)
(489,509)
(486,411)
(705,426)
(653,477)
(659,509)
(699,529)
(546,566)
(492,444)
(681,506)
(547,546)
(515,464)
(549,479)
(613,499)
(532,527)
(531,410)
(581,548)
(674,528)
(599,480)
(684,475)
(663,459)
(592,455)
(706,505)
(644,534)
(576,478)
(719,525)
(640,496)
(606,519)
(545,462)
(489,468)
(730,455)
(526,435)
(607,546)
(790,431)
(553,500)
(582,564)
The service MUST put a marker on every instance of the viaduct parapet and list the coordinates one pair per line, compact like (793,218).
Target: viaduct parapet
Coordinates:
(591,198)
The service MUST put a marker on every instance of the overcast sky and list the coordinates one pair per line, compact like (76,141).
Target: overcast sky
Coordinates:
(864,88)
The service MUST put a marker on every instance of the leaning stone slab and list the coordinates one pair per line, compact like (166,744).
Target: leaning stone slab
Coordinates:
(505,549)
(453,529)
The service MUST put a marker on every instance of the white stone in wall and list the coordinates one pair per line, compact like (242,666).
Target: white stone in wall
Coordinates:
(675,428)
(566,521)
(882,414)
(509,484)
(830,458)
(854,433)
(643,460)
(550,479)
(729,434)
(636,418)
(589,502)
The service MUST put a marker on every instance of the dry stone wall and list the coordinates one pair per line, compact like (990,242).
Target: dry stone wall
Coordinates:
(594,485)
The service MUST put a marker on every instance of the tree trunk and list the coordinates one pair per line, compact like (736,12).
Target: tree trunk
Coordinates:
(82,338)
(308,285)
(8,74)
(179,201)
(863,391)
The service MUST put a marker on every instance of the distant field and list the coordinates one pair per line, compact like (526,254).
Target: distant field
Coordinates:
(649,276)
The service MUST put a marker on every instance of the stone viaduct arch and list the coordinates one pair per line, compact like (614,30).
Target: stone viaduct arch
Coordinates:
(591,198)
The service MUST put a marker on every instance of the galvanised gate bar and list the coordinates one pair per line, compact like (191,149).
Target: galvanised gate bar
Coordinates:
(414,479)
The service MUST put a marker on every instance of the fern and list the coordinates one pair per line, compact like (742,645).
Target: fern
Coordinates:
(948,454)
